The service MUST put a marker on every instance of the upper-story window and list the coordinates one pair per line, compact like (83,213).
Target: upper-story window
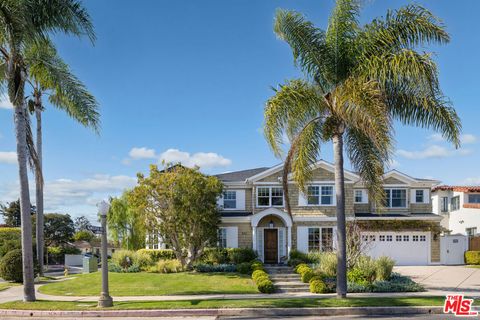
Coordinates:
(455,203)
(230,199)
(360,196)
(419,196)
(270,197)
(444,205)
(320,195)
(474,198)
(396,198)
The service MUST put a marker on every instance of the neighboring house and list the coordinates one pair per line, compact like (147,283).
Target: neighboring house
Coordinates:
(93,247)
(459,206)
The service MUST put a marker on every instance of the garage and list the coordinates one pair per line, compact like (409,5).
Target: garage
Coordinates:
(406,248)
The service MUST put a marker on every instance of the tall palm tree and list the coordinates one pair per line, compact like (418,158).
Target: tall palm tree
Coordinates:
(22,23)
(358,79)
(50,75)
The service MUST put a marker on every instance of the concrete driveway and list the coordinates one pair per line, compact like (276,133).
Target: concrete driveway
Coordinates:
(460,279)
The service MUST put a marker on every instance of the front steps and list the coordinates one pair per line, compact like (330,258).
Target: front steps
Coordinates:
(285,280)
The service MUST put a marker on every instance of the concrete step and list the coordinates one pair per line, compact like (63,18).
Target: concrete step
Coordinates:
(291,290)
(284,277)
(281,271)
(293,284)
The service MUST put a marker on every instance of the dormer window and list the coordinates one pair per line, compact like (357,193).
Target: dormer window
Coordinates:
(230,200)
(395,198)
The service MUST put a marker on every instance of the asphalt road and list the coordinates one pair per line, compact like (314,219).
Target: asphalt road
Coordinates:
(414,317)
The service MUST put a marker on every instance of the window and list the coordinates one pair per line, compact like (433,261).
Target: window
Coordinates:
(269,196)
(423,238)
(406,238)
(419,196)
(229,200)
(381,238)
(263,197)
(358,196)
(372,237)
(414,238)
(395,198)
(389,238)
(320,239)
(222,237)
(455,203)
(474,198)
(444,204)
(320,195)
(277,197)
(364,237)
(398,238)
(471,231)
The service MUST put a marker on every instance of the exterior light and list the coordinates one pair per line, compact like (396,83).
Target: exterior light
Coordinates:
(270,224)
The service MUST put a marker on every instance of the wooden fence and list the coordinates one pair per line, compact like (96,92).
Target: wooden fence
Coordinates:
(474,243)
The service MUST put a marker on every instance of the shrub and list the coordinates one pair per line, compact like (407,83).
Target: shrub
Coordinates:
(318,286)
(167,266)
(472,257)
(258,273)
(294,262)
(384,267)
(244,268)
(10,239)
(298,255)
(204,267)
(314,257)
(214,256)
(368,268)
(257,265)
(113,267)
(356,275)
(240,255)
(265,285)
(397,283)
(307,275)
(328,264)
(158,254)
(299,268)
(11,268)
(142,259)
(124,258)
(357,288)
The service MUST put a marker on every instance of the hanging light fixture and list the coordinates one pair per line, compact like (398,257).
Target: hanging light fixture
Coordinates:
(270,224)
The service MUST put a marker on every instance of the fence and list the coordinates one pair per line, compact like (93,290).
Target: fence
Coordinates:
(474,243)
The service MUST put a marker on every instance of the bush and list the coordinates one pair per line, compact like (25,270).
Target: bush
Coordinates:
(214,256)
(158,254)
(10,239)
(258,273)
(356,275)
(318,286)
(113,267)
(294,262)
(299,268)
(384,267)
(298,255)
(167,266)
(257,265)
(328,264)
(397,283)
(142,259)
(265,285)
(240,255)
(11,267)
(307,275)
(368,267)
(244,268)
(472,257)
(124,258)
(204,267)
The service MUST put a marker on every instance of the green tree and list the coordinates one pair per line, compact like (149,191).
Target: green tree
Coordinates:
(11,213)
(49,75)
(83,235)
(181,203)
(358,80)
(126,224)
(59,229)
(82,224)
(24,23)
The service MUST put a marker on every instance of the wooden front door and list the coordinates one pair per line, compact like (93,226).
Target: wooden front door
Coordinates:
(270,245)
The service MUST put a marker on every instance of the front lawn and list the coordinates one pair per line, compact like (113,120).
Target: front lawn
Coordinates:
(6,285)
(153,284)
(237,303)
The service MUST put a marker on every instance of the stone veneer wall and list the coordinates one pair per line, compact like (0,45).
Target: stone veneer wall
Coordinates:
(434,248)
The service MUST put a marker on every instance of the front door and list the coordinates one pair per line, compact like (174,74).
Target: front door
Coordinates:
(271,245)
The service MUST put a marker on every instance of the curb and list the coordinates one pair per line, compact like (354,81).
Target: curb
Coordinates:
(227,312)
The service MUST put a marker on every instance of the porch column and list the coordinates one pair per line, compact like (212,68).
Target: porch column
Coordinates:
(254,238)
(289,241)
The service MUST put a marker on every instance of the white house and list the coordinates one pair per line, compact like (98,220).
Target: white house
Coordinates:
(459,206)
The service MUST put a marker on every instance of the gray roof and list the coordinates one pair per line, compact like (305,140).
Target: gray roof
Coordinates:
(241,175)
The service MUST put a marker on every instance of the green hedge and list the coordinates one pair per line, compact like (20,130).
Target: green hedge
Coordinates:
(228,255)
(159,254)
(317,285)
(472,257)
(10,239)
(262,280)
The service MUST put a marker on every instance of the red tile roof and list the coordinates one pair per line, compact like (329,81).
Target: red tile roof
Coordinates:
(457,188)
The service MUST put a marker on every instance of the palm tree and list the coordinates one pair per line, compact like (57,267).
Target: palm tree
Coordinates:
(50,75)
(358,80)
(23,23)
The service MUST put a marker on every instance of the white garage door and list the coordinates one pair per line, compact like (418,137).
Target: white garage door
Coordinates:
(406,248)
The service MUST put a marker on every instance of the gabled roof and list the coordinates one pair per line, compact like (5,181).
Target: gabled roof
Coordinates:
(241,175)
(406,178)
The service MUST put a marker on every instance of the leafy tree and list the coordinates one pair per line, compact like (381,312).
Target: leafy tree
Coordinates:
(181,203)
(59,229)
(11,213)
(25,23)
(358,80)
(82,224)
(83,235)
(126,224)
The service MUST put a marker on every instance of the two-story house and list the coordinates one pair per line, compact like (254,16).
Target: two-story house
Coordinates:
(459,206)
(254,216)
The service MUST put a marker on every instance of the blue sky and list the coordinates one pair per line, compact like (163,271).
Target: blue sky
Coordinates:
(187,80)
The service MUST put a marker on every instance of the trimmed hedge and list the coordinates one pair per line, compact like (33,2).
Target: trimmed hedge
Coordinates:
(228,255)
(244,268)
(11,267)
(158,254)
(472,257)
(262,280)
(10,239)
(204,267)
(307,275)
(317,285)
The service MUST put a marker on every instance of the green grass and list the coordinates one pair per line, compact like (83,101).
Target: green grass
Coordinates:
(6,285)
(153,284)
(244,303)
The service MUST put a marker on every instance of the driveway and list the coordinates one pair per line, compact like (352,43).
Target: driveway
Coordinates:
(460,279)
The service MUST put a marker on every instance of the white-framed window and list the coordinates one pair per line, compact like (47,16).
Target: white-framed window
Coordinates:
(320,195)
(229,199)
(395,198)
(444,205)
(269,197)
(222,237)
(471,231)
(419,196)
(455,203)
(320,239)
(474,198)
(360,196)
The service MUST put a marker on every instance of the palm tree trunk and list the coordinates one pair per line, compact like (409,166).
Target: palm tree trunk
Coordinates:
(39,187)
(27,252)
(341,228)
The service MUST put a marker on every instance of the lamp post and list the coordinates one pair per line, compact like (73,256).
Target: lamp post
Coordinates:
(105,299)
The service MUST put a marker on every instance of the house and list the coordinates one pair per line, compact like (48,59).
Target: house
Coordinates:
(459,207)
(93,247)
(254,216)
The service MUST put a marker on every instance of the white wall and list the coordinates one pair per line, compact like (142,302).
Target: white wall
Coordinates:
(460,219)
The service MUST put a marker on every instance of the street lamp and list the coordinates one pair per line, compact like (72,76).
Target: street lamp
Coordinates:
(105,299)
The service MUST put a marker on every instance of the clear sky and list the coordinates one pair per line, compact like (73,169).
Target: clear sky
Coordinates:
(187,80)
